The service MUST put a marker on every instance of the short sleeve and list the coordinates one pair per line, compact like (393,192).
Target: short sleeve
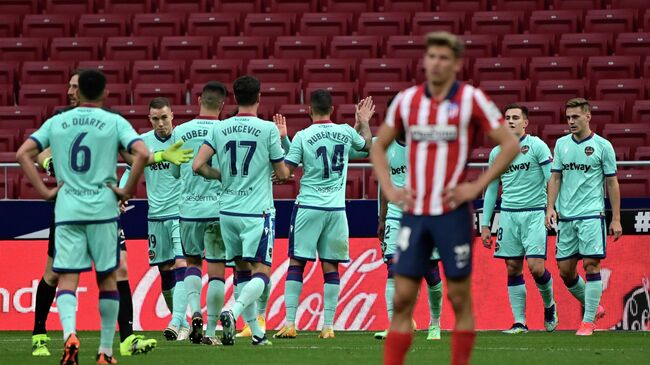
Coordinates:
(276,153)
(126,134)
(557,159)
(543,153)
(294,156)
(210,139)
(485,112)
(42,135)
(358,143)
(609,160)
(394,114)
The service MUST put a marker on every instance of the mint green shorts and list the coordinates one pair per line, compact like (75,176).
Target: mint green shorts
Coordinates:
(389,244)
(581,237)
(248,237)
(521,234)
(164,241)
(319,231)
(203,239)
(78,246)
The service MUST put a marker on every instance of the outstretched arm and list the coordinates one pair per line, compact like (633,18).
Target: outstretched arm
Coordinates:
(200,164)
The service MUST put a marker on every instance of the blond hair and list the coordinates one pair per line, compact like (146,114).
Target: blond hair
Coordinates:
(445,39)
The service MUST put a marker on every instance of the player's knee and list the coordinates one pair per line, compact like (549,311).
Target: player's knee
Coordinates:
(122,272)
(458,297)
(536,269)
(193,261)
(50,277)
(402,303)
(591,267)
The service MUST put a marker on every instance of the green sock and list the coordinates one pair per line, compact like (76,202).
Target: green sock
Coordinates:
(180,303)
(193,289)
(263,300)
(248,295)
(435,303)
(109,306)
(593,292)
(546,291)
(578,290)
(292,290)
(66,302)
(390,292)
(331,300)
(214,303)
(517,295)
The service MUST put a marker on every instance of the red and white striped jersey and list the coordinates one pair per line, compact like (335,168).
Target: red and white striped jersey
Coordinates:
(439,137)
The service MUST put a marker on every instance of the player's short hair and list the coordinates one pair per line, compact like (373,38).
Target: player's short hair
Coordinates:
(581,103)
(320,102)
(247,89)
(213,95)
(524,110)
(76,71)
(445,39)
(159,103)
(92,83)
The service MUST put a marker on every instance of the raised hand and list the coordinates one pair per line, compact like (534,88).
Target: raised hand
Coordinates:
(365,110)
(281,122)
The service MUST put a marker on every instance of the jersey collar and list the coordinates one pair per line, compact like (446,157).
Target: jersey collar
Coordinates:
(160,138)
(584,140)
(400,143)
(523,137)
(245,115)
(89,105)
(208,117)
(325,121)
(452,91)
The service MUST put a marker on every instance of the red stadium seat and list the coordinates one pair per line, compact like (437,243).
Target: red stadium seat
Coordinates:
(8,140)
(212,24)
(382,92)
(325,24)
(115,71)
(103,25)
(47,25)
(346,113)
(278,93)
(348,6)
(273,70)
(551,132)
(372,188)
(522,5)
(158,72)
(642,153)
(404,46)
(43,95)
(527,45)
(384,23)
(224,70)
(21,49)
(634,183)
(242,47)
(342,92)
(158,24)
(131,48)
(627,134)
(238,6)
(479,45)
(127,6)
(407,5)
(143,93)
(118,94)
(544,112)
(479,155)
(629,90)
(9,181)
(554,68)
(229,106)
(183,6)
(622,153)
(554,21)
(8,72)
(585,44)
(21,7)
(577,4)
(46,72)
(185,48)
(293,6)
(299,47)
(500,68)
(27,190)
(463,5)
(497,22)
(633,44)
(424,23)
(384,69)
(20,117)
(297,117)
(355,47)
(506,92)
(8,25)
(628,4)
(137,115)
(353,184)
(184,113)
(6,94)
(609,21)
(645,68)
(269,25)
(75,48)
(331,69)
(646,20)
(286,190)
(560,90)
(69,6)
(641,111)
(606,111)
(612,67)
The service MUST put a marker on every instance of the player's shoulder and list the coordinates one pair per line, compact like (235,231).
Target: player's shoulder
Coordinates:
(601,140)
(564,139)
(62,110)
(536,141)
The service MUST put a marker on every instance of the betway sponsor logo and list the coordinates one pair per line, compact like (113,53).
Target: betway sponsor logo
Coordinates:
(576,167)
(518,167)
(398,170)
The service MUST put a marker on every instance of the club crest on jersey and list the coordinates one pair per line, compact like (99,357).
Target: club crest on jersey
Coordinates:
(434,133)
(589,150)
(524,149)
(452,110)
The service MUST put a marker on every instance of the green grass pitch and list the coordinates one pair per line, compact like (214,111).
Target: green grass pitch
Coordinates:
(359,348)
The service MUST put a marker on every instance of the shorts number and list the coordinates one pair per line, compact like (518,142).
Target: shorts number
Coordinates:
(387,233)
(499,234)
(152,241)
(337,159)
(79,155)
(232,146)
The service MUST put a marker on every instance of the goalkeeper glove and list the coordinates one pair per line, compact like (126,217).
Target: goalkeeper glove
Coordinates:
(174,154)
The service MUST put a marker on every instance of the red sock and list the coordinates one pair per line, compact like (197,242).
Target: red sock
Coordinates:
(397,344)
(462,343)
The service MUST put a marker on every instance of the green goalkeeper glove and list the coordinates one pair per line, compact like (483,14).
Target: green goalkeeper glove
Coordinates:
(174,154)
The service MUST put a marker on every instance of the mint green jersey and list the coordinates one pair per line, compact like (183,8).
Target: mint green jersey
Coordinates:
(524,181)
(163,189)
(584,166)
(323,148)
(396,155)
(199,198)
(246,147)
(85,142)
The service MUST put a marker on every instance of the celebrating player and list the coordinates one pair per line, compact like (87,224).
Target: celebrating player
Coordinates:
(437,118)
(319,224)
(249,151)
(522,232)
(582,162)
(85,142)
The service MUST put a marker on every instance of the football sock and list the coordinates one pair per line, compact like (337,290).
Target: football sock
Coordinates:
(517,295)
(263,301)
(125,313)
(396,346)
(109,303)
(250,317)
(435,303)
(44,297)
(66,302)
(180,298)
(167,281)
(214,302)
(545,286)
(462,343)
(577,288)
(390,292)
(593,292)
(331,297)
(249,294)
(292,290)
(193,288)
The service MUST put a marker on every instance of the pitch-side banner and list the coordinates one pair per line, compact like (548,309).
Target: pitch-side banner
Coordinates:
(361,303)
